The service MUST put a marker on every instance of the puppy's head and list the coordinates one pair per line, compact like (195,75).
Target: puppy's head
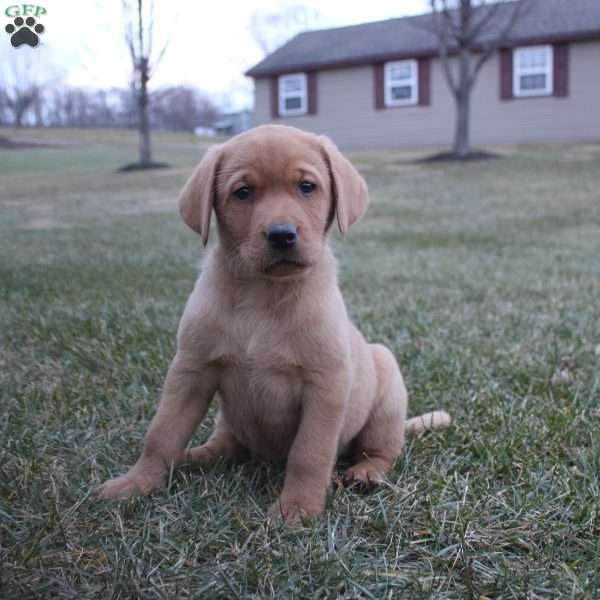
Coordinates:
(275,191)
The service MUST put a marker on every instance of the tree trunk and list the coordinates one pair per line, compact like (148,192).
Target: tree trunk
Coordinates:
(37,107)
(144,121)
(144,134)
(462,143)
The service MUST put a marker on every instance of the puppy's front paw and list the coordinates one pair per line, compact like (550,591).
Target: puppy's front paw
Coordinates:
(133,483)
(363,478)
(292,511)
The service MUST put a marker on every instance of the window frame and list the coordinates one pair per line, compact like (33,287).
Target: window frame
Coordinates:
(388,84)
(547,70)
(302,94)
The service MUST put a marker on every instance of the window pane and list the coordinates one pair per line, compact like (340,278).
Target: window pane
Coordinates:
(292,84)
(293,103)
(533,82)
(401,92)
(532,58)
(401,71)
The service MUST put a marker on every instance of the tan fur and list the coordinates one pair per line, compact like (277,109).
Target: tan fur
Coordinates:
(294,377)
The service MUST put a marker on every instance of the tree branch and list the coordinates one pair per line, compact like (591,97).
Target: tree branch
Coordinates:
(156,62)
(441,34)
(519,9)
(451,26)
(140,32)
(150,30)
(489,13)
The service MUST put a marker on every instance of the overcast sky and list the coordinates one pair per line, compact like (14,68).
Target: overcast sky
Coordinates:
(210,42)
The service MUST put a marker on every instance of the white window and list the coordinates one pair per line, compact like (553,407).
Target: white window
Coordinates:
(532,71)
(401,83)
(293,94)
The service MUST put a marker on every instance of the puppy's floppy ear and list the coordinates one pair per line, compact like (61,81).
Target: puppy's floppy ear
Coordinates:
(350,194)
(197,197)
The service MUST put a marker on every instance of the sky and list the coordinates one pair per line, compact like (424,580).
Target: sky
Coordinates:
(210,43)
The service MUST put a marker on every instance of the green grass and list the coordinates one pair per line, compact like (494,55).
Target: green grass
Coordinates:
(483,278)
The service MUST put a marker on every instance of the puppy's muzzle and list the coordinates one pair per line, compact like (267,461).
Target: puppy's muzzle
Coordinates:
(282,236)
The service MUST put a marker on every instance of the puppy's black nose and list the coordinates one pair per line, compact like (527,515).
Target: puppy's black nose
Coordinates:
(282,236)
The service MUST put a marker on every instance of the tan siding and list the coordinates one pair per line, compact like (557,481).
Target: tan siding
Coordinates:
(346,110)
(573,118)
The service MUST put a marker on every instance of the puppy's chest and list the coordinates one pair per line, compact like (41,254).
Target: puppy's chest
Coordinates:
(260,386)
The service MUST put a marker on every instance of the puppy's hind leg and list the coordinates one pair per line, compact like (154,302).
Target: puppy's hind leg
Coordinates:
(221,443)
(380,442)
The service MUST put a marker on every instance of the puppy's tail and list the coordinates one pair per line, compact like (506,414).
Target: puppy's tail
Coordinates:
(438,419)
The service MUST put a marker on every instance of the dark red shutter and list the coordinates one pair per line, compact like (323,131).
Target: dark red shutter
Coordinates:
(378,89)
(506,74)
(424,67)
(274,97)
(311,84)
(561,70)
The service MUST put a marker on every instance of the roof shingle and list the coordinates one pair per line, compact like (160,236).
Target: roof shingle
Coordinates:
(544,20)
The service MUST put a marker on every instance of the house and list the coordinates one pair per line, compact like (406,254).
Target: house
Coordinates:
(381,84)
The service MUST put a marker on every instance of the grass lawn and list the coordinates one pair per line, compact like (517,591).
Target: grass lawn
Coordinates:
(483,278)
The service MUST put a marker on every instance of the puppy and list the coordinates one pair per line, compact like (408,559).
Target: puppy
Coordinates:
(266,329)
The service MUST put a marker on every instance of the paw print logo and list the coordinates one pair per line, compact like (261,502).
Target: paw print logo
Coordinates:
(24,31)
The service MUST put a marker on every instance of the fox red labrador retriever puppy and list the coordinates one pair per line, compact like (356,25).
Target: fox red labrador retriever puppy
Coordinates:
(266,330)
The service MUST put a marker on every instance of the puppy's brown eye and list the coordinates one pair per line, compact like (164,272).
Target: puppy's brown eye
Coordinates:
(306,187)
(243,193)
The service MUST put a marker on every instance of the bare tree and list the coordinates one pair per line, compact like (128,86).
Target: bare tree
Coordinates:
(19,100)
(18,94)
(472,31)
(23,76)
(138,16)
(182,108)
(272,30)
(3,108)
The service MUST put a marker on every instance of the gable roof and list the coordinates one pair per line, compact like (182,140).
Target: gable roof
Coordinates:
(543,21)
